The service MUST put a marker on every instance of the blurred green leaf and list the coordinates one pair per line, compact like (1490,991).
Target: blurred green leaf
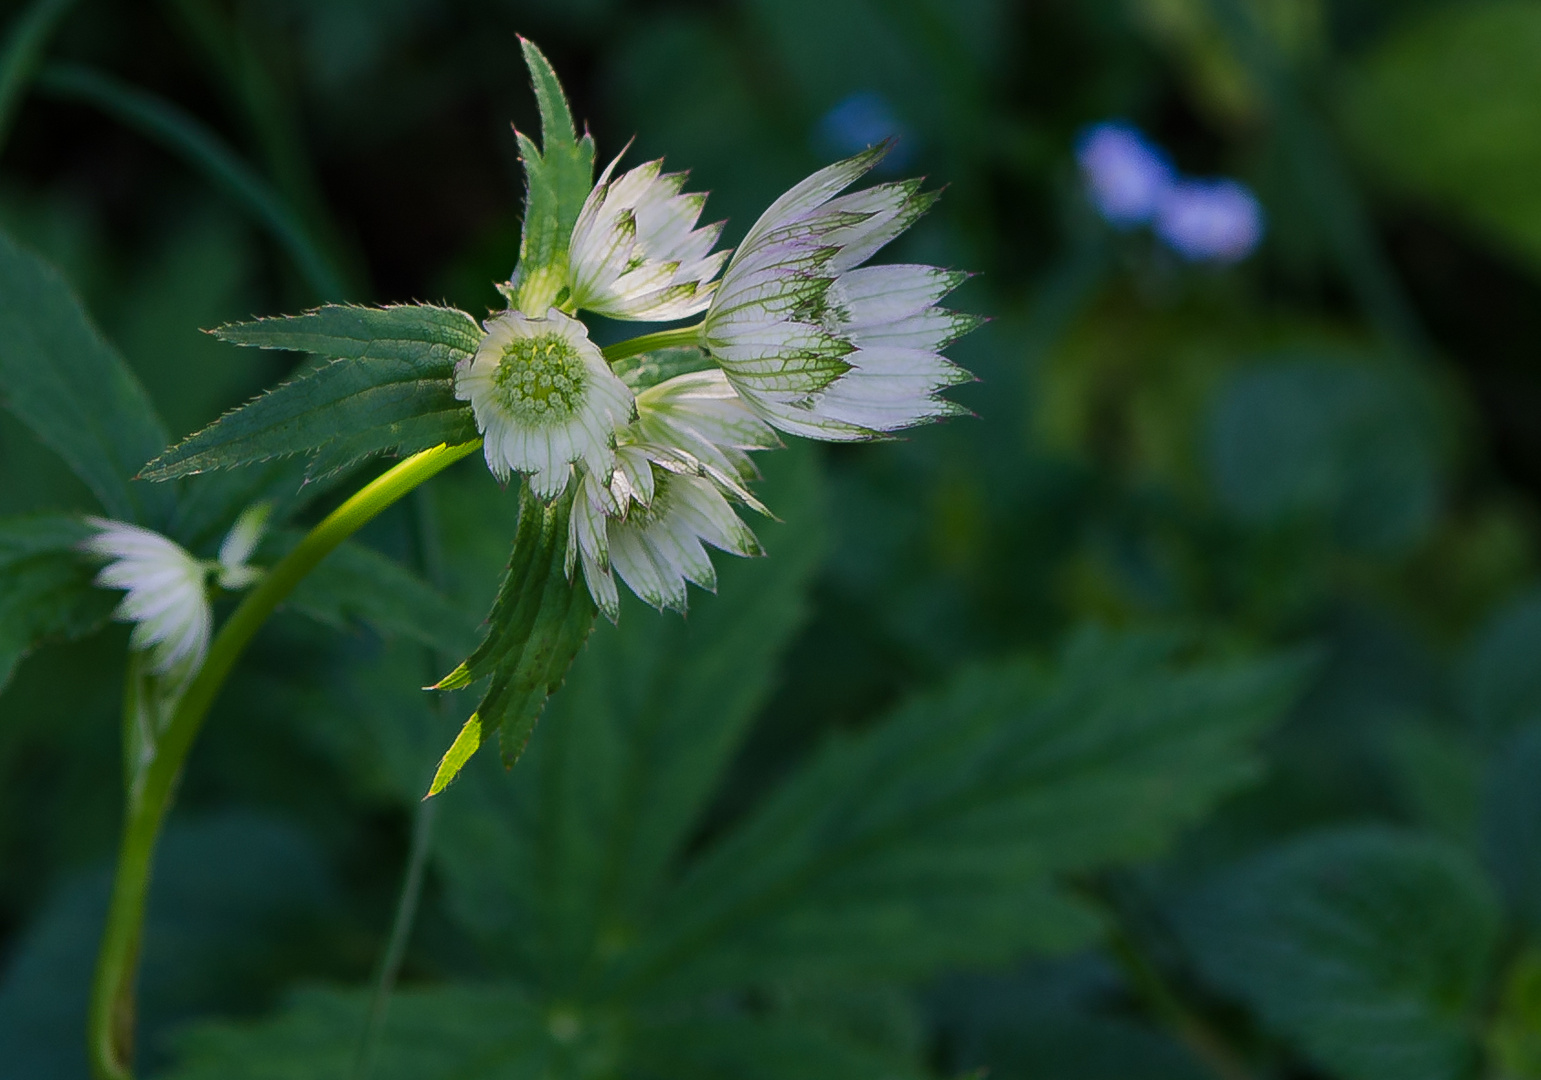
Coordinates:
(1371,948)
(538,623)
(388,389)
(45,586)
(355,584)
(747,1047)
(1500,677)
(573,858)
(936,838)
(1438,774)
(1448,107)
(504,1033)
(1511,824)
(72,389)
(457,1033)
(1310,439)
(558,176)
(235,898)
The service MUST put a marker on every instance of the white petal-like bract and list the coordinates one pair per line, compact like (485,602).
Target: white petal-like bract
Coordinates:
(676,465)
(543,397)
(819,345)
(659,547)
(167,599)
(635,250)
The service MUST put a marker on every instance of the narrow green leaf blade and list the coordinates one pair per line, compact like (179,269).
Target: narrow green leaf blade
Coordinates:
(937,838)
(558,177)
(389,388)
(538,623)
(62,379)
(1369,947)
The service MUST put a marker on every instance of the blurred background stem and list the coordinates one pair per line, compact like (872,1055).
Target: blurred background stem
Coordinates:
(25,46)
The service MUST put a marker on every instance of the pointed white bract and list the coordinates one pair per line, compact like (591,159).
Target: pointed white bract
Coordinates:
(167,599)
(167,587)
(675,466)
(659,547)
(543,398)
(815,343)
(239,545)
(635,251)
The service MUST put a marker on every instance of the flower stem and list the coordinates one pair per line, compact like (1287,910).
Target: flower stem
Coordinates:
(662,339)
(111,1021)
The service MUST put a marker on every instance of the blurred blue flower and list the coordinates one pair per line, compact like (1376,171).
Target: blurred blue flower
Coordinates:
(861,120)
(1126,172)
(1210,220)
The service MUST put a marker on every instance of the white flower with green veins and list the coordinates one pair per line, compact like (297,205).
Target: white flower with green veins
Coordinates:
(544,398)
(819,345)
(635,252)
(167,587)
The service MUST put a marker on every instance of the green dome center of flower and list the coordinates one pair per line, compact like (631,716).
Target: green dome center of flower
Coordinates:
(540,380)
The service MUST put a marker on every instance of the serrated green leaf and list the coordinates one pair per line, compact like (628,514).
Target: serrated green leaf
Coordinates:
(389,388)
(453,1033)
(62,379)
(355,585)
(45,586)
(558,177)
(571,860)
(538,623)
(1371,949)
(936,839)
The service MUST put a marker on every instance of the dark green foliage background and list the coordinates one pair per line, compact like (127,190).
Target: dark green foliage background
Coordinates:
(960,776)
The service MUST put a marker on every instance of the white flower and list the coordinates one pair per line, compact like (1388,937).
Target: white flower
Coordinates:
(696,423)
(818,345)
(697,432)
(635,251)
(657,548)
(543,398)
(167,600)
(168,597)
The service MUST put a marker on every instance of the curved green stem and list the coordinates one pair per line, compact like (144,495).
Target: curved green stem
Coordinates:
(24,52)
(185,136)
(662,339)
(110,1025)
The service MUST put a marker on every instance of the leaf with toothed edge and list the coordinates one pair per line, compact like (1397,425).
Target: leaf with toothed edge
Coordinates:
(538,623)
(558,177)
(389,388)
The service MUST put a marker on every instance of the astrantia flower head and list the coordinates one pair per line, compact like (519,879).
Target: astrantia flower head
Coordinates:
(820,346)
(543,398)
(694,427)
(659,547)
(635,251)
(168,599)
